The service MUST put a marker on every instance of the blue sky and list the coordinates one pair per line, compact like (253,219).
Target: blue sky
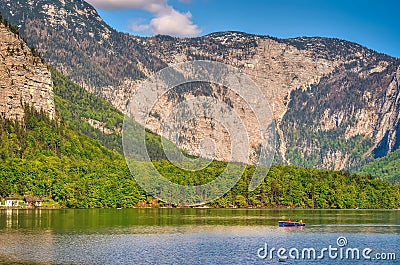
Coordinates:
(375,24)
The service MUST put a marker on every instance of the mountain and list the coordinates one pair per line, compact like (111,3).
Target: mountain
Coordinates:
(40,153)
(61,155)
(85,48)
(59,141)
(336,103)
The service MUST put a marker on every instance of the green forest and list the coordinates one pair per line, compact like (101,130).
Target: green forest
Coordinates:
(49,158)
(387,168)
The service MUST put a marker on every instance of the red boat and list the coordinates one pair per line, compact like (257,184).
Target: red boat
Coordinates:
(290,223)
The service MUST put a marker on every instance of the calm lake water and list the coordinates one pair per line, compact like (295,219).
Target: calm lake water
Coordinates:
(199,236)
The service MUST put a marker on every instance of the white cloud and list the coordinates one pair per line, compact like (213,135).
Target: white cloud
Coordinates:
(139,25)
(167,20)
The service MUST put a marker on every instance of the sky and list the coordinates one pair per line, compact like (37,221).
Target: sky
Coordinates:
(374,24)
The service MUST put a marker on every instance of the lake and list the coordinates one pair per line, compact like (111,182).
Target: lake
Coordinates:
(199,236)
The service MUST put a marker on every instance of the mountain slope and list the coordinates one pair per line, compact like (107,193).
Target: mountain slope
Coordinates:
(74,39)
(301,77)
(41,155)
(387,168)
(357,115)
(336,103)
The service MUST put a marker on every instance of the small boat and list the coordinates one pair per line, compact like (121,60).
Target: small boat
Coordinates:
(290,223)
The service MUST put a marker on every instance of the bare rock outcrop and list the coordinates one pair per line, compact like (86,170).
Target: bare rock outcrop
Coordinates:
(24,79)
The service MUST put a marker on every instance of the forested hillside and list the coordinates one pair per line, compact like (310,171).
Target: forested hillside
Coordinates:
(48,158)
(387,168)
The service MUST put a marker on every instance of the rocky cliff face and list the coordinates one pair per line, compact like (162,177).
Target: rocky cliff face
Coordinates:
(24,79)
(276,67)
(336,103)
(347,117)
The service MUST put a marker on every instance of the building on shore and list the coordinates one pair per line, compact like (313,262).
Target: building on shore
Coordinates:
(33,201)
(11,202)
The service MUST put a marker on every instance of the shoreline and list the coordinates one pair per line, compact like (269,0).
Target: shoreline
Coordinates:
(32,207)
(194,207)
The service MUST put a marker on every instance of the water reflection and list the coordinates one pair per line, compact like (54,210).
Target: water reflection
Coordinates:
(9,214)
(181,236)
(80,220)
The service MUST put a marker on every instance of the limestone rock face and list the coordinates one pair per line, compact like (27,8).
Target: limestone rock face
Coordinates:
(336,103)
(24,79)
